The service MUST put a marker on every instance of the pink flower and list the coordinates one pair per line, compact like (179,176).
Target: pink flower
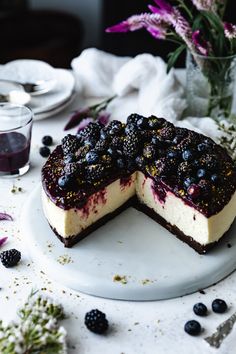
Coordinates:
(76,118)
(103,117)
(201,45)
(84,122)
(4,216)
(153,23)
(230,30)
(3,240)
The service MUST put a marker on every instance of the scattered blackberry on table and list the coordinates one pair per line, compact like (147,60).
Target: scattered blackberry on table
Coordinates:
(200,309)
(47,140)
(92,157)
(44,151)
(70,144)
(192,327)
(219,306)
(96,321)
(10,258)
(66,181)
(130,145)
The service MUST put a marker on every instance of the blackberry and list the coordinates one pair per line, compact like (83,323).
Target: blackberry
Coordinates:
(142,123)
(112,152)
(200,309)
(164,166)
(133,118)
(71,169)
(101,146)
(47,140)
(130,145)
(168,132)
(117,143)
(130,128)
(180,134)
(149,152)
(10,258)
(172,154)
(44,151)
(96,321)
(219,306)
(209,162)
(91,142)
(140,161)
(192,327)
(115,127)
(92,130)
(95,172)
(70,158)
(120,163)
(70,144)
(154,122)
(157,141)
(184,168)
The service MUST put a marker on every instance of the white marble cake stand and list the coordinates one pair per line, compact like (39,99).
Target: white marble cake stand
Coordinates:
(153,263)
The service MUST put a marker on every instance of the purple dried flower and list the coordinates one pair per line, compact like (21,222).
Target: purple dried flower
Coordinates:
(4,216)
(230,30)
(154,23)
(84,123)
(76,118)
(103,117)
(164,6)
(201,45)
(2,241)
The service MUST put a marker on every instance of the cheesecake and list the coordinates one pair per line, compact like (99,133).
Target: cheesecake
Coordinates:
(181,179)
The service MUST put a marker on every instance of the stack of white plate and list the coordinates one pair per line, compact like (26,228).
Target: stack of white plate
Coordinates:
(56,99)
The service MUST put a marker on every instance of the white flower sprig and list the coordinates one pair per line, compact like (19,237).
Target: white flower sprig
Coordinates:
(228,138)
(37,331)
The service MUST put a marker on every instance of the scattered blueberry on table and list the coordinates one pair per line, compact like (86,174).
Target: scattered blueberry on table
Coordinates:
(47,140)
(219,306)
(44,151)
(192,327)
(200,309)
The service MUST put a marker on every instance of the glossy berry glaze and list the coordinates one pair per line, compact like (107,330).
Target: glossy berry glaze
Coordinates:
(181,161)
(14,151)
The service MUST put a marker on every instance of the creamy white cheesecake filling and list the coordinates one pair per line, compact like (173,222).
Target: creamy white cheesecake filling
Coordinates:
(71,222)
(190,221)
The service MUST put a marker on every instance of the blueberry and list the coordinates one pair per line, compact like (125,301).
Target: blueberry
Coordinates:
(112,152)
(192,327)
(202,147)
(201,173)
(90,142)
(103,134)
(215,178)
(47,140)
(188,181)
(66,181)
(120,163)
(70,158)
(142,123)
(92,157)
(44,151)
(187,155)
(172,154)
(200,309)
(219,306)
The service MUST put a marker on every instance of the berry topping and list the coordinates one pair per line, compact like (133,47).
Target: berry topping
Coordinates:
(96,321)
(115,127)
(47,140)
(149,151)
(133,118)
(192,327)
(188,181)
(140,161)
(187,155)
(10,258)
(96,172)
(70,144)
(142,123)
(194,191)
(130,145)
(70,158)
(120,163)
(219,306)
(215,178)
(92,157)
(200,309)
(201,173)
(202,147)
(66,181)
(44,151)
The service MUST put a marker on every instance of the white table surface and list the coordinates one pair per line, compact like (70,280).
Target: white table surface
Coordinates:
(135,327)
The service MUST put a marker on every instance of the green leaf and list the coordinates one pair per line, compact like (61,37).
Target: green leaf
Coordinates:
(213,20)
(174,56)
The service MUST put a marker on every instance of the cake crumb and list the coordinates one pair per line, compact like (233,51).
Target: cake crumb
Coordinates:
(229,245)
(201,291)
(120,278)
(64,259)
(146,281)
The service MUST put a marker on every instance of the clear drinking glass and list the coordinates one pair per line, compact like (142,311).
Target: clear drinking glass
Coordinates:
(210,85)
(15,138)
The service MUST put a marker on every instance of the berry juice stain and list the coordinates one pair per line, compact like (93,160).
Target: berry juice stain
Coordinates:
(14,151)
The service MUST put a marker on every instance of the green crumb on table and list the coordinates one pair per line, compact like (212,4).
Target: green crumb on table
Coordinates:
(64,259)
(120,278)
(16,189)
(146,281)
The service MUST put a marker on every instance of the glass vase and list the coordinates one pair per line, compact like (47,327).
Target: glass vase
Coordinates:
(210,85)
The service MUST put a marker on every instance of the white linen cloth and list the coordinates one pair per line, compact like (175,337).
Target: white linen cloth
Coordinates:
(141,84)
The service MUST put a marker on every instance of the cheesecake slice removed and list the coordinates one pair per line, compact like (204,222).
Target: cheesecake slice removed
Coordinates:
(180,178)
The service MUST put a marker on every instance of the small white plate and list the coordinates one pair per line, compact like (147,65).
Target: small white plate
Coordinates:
(27,70)
(155,263)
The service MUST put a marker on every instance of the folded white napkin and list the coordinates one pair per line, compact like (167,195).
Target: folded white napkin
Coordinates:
(102,74)
(141,84)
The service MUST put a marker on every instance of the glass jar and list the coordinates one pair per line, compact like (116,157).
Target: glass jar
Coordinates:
(210,85)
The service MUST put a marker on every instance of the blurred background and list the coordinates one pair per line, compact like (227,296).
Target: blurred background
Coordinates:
(58,30)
